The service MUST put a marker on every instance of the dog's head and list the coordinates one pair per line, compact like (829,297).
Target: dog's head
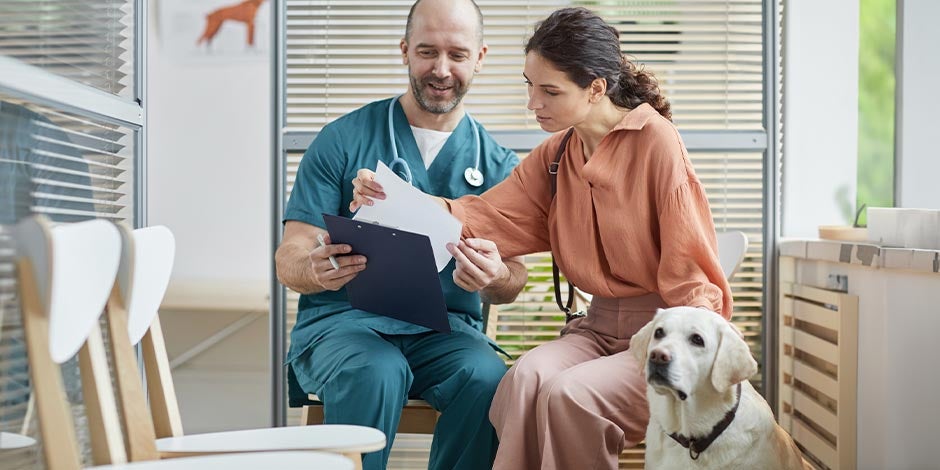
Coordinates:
(685,348)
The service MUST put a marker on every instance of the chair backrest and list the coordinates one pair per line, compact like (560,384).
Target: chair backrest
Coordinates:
(146,266)
(65,275)
(139,287)
(731,249)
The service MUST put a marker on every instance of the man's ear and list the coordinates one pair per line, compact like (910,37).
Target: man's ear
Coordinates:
(733,361)
(403,45)
(480,56)
(640,342)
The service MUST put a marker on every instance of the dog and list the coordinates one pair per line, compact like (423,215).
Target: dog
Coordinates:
(244,12)
(704,414)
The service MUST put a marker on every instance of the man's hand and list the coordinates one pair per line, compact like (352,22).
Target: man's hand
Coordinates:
(365,188)
(478,264)
(322,269)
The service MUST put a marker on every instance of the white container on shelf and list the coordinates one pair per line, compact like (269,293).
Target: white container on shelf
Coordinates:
(905,228)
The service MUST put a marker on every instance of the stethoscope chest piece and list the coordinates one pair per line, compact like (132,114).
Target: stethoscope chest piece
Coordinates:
(473,176)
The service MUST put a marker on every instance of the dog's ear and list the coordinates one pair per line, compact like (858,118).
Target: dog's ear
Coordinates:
(733,362)
(640,342)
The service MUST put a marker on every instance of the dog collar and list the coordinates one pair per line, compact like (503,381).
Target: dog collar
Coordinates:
(698,445)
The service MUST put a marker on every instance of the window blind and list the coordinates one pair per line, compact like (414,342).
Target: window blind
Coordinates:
(89,41)
(68,168)
(707,55)
(63,154)
(65,166)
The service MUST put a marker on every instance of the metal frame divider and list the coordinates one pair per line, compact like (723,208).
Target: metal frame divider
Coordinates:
(278,317)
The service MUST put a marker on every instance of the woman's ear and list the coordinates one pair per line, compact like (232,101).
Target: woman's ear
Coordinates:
(597,90)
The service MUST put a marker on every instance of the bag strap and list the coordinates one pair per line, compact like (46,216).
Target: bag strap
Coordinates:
(553,175)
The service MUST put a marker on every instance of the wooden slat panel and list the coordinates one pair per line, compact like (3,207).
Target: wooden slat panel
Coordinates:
(814,443)
(814,294)
(815,314)
(821,415)
(814,378)
(815,346)
(833,315)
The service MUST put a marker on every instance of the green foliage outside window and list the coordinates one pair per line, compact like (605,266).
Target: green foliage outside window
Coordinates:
(876,107)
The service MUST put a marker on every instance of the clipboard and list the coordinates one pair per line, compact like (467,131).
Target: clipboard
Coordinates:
(400,280)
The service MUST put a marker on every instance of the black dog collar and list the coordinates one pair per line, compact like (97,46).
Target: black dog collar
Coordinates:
(698,445)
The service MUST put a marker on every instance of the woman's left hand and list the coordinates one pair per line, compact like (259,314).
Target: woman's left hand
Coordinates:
(478,263)
(365,189)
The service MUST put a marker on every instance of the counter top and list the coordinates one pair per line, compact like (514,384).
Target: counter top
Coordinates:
(862,254)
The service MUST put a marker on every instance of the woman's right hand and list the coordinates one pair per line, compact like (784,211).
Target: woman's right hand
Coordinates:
(365,189)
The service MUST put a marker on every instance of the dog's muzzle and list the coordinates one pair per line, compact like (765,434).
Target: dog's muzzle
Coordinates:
(657,368)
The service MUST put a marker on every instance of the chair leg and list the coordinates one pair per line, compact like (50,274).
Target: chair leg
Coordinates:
(356,459)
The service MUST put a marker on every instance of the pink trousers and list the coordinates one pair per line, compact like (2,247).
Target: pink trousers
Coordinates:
(576,402)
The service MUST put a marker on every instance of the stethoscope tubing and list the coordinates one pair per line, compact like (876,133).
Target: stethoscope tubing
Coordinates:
(472,175)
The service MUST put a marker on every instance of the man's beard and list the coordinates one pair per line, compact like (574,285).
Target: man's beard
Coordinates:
(436,107)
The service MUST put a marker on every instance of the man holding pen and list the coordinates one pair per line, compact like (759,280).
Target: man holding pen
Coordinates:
(364,367)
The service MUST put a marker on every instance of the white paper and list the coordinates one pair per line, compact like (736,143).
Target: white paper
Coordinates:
(407,208)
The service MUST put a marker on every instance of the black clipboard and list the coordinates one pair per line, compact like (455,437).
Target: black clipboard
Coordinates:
(400,280)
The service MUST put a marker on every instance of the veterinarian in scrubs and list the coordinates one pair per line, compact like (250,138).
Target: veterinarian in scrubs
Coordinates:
(363,366)
(629,222)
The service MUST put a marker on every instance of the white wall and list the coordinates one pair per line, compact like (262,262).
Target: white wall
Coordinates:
(209,154)
(919,157)
(820,128)
(209,151)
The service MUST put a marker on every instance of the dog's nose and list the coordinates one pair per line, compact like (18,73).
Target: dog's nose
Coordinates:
(660,357)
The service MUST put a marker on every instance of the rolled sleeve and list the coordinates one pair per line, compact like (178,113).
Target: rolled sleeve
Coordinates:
(514,213)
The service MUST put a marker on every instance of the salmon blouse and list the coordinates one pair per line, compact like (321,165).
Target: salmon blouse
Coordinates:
(630,221)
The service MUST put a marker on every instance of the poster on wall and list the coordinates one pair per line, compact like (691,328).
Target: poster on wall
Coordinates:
(215,31)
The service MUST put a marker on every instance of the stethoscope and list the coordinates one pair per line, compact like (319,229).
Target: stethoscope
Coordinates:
(473,175)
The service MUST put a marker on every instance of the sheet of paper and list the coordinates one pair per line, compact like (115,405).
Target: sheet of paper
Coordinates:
(407,208)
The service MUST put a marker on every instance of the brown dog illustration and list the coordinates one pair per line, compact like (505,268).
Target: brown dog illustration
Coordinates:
(244,12)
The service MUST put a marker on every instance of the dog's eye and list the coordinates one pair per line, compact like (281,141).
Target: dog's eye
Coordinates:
(659,333)
(697,340)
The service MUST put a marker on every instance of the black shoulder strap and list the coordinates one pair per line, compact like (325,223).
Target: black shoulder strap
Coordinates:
(553,172)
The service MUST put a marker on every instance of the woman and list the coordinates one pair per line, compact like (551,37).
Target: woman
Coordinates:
(629,223)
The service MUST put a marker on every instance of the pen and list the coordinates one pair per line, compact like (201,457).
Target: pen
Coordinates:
(332,258)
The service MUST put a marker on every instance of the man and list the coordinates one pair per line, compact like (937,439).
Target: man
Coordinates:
(363,366)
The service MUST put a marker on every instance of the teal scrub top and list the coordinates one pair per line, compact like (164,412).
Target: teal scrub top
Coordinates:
(324,185)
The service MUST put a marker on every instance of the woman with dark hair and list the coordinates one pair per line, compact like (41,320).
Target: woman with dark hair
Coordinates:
(613,195)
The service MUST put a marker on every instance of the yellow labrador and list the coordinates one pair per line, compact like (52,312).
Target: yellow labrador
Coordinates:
(704,414)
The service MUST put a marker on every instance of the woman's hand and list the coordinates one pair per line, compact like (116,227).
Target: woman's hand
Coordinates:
(365,189)
(478,263)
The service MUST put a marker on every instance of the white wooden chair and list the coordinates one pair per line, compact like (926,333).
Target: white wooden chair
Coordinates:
(17,451)
(146,264)
(732,246)
(65,275)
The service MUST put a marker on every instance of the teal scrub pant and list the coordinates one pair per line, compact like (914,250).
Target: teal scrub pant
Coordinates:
(364,377)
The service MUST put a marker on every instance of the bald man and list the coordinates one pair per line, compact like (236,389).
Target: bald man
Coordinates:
(364,367)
